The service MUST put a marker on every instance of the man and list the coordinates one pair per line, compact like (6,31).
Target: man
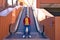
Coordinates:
(26,22)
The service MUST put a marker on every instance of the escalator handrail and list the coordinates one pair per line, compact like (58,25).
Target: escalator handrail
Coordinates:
(37,25)
(20,20)
(34,20)
(16,26)
(41,33)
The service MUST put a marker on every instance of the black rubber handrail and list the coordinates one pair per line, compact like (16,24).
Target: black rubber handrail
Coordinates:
(11,26)
(42,34)
(34,20)
(19,21)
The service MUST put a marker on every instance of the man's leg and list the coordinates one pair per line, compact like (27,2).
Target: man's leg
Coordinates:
(29,29)
(24,35)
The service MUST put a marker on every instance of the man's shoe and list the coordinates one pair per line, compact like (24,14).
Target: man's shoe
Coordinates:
(29,36)
(24,36)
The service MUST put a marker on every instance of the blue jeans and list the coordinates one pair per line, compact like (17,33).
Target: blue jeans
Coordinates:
(26,26)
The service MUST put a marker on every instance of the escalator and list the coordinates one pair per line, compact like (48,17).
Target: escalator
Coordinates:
(20,29)
(33,30)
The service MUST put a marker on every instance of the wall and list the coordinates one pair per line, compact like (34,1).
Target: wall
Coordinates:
(53,32)
(39,2)
(49,27)
(57,28)
(3,4)
(6,21)
(49,1)
(4,25)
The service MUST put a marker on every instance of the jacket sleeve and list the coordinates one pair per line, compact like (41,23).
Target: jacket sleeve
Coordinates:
(29,21)
(24,21)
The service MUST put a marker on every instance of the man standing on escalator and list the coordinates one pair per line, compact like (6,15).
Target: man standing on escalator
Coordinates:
(26,22)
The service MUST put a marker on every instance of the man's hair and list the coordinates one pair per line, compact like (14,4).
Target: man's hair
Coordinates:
(26,16)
